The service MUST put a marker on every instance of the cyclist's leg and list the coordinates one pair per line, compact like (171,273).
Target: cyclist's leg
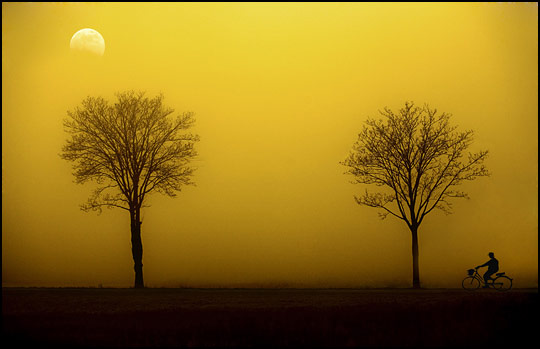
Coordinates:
(487,278)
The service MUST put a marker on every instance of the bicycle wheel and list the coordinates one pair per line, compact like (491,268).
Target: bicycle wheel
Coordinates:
(470,283)
(502,283)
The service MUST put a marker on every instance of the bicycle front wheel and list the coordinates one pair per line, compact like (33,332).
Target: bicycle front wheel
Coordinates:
(470,283)
(502,283)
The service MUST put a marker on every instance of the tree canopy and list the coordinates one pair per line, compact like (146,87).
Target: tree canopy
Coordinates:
(419,156)
(130,148)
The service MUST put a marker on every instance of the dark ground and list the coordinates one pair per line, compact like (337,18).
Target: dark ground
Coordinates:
(266,317)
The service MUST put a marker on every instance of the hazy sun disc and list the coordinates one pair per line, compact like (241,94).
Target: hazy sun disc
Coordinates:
(88,40)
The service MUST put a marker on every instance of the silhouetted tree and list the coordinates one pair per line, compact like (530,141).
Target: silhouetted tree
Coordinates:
(130,148)
(419,158)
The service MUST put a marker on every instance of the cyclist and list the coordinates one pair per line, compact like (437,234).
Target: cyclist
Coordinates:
(493,267)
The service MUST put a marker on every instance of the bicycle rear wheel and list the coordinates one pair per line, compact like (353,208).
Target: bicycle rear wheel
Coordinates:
(502,283)
(470,283)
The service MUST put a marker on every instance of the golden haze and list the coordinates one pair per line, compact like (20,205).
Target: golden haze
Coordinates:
(280,92)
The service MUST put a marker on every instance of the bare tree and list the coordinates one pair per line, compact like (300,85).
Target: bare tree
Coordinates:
(419,158)
(130,148)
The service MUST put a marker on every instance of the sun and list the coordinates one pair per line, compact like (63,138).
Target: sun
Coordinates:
(88,40)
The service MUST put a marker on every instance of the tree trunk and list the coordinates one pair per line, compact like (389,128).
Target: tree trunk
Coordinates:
(416,269)
(136,247)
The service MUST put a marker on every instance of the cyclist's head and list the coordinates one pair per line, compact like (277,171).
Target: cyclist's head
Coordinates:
(491,255)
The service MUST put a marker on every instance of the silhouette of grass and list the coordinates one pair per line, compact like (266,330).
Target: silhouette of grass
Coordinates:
(203,317)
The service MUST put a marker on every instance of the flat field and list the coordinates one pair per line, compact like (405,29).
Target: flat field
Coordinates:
(268,317)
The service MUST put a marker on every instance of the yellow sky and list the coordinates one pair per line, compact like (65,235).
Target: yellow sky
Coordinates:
(280,92)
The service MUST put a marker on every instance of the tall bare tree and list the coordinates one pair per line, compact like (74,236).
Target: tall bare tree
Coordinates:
(129,148)
(419,159)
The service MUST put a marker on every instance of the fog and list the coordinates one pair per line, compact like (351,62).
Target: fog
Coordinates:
(279,92)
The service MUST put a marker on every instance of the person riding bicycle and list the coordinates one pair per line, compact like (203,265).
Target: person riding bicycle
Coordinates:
(493,267)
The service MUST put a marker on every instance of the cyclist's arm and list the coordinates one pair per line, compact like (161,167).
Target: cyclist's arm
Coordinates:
(483,265)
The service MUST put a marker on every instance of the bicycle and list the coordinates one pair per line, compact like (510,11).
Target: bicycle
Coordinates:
(474,280)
